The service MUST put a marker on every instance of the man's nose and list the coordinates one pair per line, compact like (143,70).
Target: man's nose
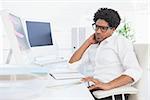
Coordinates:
(98,30)
(97,33)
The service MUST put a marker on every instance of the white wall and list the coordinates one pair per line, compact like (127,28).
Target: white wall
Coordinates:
(1,41)
(66,14)
(149,23)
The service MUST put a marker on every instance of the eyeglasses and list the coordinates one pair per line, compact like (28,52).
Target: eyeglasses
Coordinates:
(102,28)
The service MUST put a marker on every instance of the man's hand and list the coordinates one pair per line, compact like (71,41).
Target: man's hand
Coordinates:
(97,84)
(91,39)
(120,81)
(78,54)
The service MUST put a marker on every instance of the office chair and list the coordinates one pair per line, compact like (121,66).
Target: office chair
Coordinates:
(140,89)
(116,91)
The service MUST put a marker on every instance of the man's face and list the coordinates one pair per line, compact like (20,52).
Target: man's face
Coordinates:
(102,30)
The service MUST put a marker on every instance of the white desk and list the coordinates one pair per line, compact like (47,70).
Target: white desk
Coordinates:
(74,92)
(71,92)
(66,92)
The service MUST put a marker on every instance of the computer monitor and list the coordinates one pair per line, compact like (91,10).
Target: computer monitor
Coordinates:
(40,37)
(19,32)
(16,36)
(39,33)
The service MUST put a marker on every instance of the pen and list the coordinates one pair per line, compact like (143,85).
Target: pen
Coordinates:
(88,84)
(52,75)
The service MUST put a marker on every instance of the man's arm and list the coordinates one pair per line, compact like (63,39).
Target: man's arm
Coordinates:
(78,54)
(120,81)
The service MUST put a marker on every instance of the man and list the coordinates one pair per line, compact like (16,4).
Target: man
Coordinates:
(110,55)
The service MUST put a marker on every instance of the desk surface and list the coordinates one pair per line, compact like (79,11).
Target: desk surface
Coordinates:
(66,92)
(33,91)
(74,92)
(63,90)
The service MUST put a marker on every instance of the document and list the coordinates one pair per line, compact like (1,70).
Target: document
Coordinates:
(65,84)
(66,76)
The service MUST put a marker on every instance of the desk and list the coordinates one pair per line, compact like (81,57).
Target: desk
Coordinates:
(71,92)
(66,92)
(74,92)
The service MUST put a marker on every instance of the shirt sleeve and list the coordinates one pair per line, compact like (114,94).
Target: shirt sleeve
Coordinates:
(79,65)
(129,61)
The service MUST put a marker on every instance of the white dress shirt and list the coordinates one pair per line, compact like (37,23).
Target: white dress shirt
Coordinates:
(110,59)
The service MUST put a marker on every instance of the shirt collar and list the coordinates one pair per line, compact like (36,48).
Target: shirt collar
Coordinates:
(108,39)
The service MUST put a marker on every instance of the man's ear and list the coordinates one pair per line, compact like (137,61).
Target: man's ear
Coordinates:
(94,37)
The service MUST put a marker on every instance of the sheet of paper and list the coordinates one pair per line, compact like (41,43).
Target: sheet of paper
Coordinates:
(68,75)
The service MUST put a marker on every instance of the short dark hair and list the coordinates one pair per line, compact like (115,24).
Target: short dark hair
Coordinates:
(109,15)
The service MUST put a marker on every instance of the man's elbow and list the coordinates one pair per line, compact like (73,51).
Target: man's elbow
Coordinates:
(73,60)
(70,61)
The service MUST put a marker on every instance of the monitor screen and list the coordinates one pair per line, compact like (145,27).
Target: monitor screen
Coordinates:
(39,33)
(19,32)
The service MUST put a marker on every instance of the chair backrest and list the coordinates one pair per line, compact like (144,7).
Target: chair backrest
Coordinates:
(141,51)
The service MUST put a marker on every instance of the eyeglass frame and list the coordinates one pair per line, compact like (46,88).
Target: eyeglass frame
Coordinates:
(101,28)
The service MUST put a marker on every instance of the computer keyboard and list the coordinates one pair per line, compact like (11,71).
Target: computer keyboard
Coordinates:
(48,59)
